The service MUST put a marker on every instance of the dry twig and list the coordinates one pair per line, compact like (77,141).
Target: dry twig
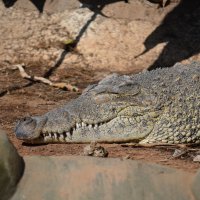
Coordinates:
(61,85)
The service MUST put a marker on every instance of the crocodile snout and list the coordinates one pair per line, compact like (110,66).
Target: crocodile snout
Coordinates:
(29,127)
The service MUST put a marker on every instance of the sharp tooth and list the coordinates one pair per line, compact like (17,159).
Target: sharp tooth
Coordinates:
(47,138)
(83,124)
(69,135)
(61,136)
(78,125)
(90,126)
(55,136)
(95,126)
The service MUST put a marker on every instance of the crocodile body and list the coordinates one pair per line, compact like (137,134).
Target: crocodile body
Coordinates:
(158,106)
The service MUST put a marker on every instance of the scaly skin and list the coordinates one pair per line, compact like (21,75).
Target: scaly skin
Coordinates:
(160,106)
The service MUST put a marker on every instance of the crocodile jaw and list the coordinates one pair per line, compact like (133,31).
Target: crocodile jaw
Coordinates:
(120,128)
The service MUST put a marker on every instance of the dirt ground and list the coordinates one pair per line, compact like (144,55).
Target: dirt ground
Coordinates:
(37,98)
(19,98)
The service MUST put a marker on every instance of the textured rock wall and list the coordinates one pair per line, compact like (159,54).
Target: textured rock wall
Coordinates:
(105,43)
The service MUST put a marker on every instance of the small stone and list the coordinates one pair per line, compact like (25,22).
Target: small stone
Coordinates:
(95,150)
(45,57)
(178,153)
(88,151)
(196,158)
(127,157)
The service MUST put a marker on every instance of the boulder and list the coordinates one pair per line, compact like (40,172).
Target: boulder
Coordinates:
(75,177)
(11,167)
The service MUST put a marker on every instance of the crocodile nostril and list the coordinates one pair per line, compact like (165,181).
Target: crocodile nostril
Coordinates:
(25,127)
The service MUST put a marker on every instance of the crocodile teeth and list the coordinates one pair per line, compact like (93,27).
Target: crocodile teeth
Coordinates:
(90,126)
(83,124)
(68,135)
(78,125)
(95,126)
(47,138)
(55,135)
(61,136)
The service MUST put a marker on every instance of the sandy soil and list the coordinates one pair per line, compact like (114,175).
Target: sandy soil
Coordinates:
(19,98)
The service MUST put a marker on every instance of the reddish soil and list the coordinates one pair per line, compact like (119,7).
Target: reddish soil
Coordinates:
(24,98)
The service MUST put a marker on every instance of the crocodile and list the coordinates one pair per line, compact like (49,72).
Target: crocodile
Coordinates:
(158,106)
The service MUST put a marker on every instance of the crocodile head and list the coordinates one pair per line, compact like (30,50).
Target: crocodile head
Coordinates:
(116,109)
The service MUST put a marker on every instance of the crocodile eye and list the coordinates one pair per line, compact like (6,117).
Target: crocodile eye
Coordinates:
(27,119)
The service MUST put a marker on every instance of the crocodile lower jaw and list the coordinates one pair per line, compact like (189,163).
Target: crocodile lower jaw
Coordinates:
(65,137)
(56,138)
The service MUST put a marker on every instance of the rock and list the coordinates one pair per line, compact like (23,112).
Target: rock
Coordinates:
(95,150)
(81,177)
(179,152)
(45,57)
(127,157)
(11,167)
(105,43)
(196,186)
(196,158)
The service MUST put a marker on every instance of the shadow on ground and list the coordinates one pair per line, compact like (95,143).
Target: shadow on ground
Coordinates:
(39,4)
(95,6)
(98,5)
(180,30)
